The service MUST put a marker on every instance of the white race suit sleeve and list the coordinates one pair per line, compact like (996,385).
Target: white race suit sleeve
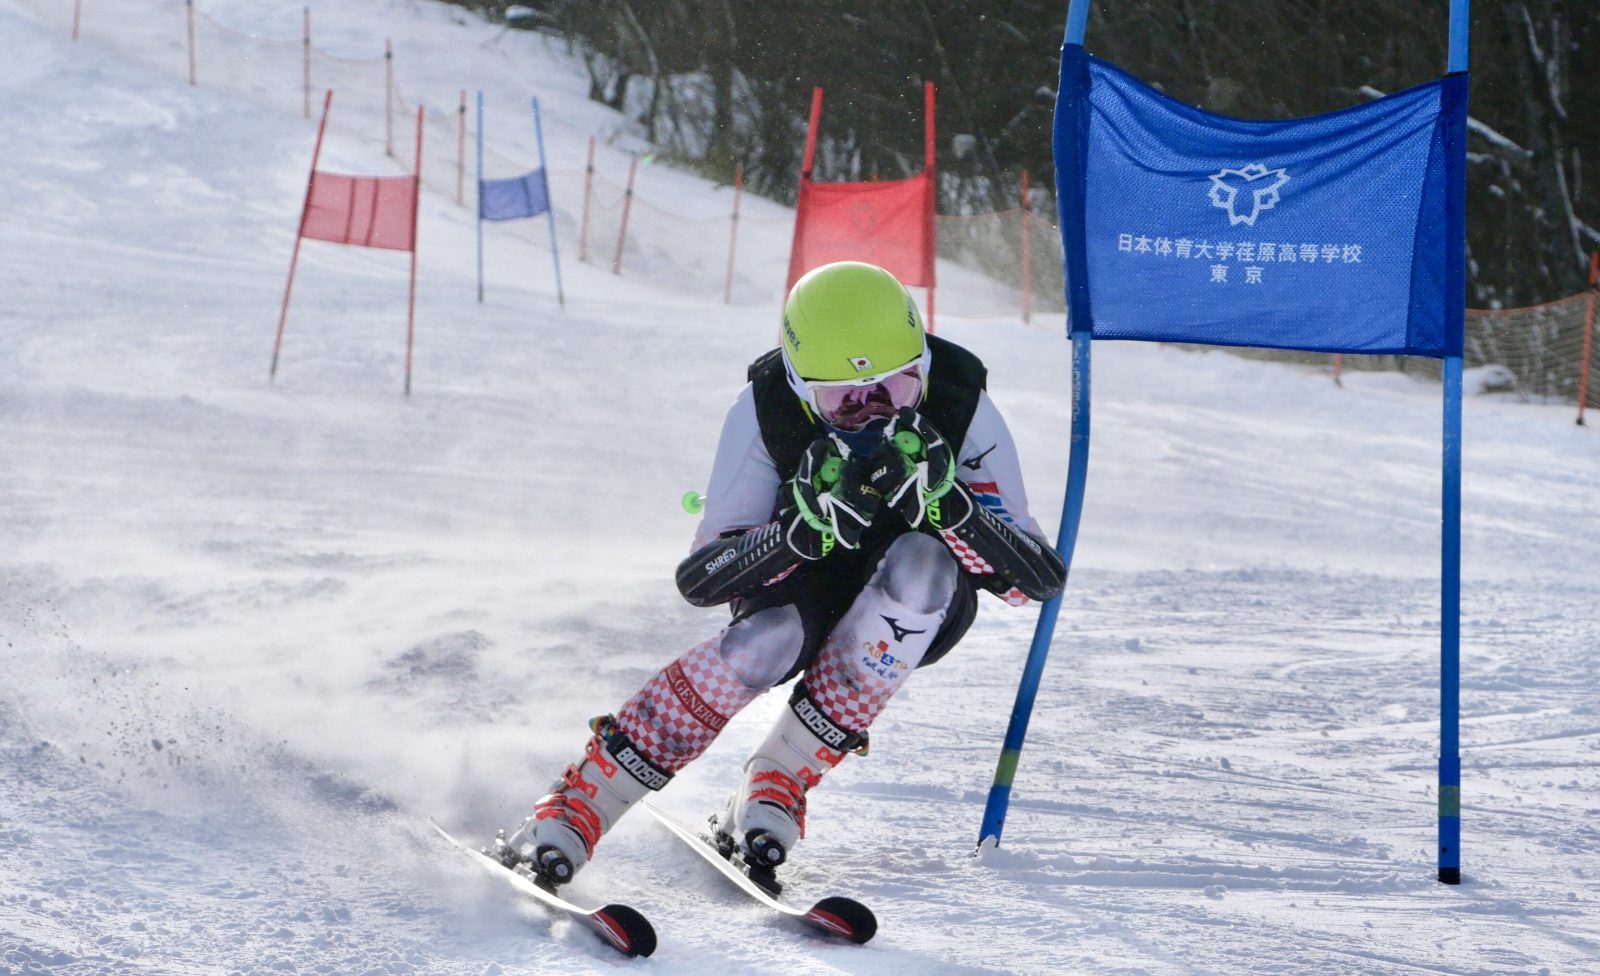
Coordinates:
(743,490)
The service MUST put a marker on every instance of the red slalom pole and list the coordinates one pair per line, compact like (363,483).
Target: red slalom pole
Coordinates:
(294,258)
(931,245)
(811,133)
(416,206)
(797,258)
(77,15)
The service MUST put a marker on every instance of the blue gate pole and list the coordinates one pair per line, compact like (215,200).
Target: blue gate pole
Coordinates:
(994,811)
(1460,16)
(480,196)
(549,202)
(999,800)
(1450,610)
(1450,635)
(1077,21)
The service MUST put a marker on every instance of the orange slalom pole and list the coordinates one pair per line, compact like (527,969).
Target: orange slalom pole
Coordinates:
(190,5)
(294,258)
(1027,255)
(627,205)
(733,233)
(308,61)
(388,96)
(416,206)
(461,153)
(588,191)
(1588,335)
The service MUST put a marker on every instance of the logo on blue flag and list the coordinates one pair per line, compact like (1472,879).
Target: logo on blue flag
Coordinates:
(1255,184)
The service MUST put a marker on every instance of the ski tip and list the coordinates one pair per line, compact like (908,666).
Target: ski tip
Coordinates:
(844,917)
(623,927)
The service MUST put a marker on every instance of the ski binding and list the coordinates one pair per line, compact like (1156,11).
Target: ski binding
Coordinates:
(835,915)
(623,928)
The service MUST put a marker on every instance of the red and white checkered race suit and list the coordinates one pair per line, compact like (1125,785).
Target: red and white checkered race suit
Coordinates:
(855,631)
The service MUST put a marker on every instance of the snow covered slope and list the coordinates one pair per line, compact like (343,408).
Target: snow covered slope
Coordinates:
(253,635)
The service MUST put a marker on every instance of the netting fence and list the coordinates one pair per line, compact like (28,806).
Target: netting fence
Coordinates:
(1004,265)
(1539,354)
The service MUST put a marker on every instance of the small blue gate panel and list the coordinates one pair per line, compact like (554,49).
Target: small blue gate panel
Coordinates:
(515,198)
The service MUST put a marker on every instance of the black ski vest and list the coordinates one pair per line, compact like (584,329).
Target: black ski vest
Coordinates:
(955,380)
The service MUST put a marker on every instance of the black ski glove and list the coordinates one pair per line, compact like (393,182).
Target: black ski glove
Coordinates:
(915,469)
(829,501)
(929,497)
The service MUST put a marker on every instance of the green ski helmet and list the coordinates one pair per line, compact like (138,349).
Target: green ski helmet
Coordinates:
(853,344)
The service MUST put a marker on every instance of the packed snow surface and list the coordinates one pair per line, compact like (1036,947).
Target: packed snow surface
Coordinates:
(253,635)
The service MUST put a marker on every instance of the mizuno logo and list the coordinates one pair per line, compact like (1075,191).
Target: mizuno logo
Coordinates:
(974,463)
(899,631)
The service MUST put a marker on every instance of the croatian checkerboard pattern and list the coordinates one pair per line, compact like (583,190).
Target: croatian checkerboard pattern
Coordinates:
(678,713)
(850,695)
(966,555)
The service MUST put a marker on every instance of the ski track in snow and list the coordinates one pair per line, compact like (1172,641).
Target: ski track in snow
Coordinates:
(253,635)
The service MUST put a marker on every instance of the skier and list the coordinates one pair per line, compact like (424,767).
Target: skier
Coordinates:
(864,489)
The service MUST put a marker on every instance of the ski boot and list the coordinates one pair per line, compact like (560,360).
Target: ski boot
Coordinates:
(766,817)
(553,844)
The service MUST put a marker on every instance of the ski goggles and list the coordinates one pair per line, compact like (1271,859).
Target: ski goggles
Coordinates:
(853,404)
